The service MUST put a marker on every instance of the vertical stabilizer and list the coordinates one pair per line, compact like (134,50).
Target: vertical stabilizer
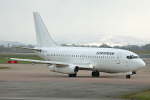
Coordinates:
(43,37)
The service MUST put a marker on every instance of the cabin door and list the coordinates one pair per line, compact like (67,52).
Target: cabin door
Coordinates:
(118,58)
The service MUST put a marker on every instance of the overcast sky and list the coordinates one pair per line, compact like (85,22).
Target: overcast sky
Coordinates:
(74,18)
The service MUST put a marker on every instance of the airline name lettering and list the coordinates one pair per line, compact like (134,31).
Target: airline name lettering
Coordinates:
(105,53)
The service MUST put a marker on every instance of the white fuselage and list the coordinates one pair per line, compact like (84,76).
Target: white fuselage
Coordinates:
(102,59)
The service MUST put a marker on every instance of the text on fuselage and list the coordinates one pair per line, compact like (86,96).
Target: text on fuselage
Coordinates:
(105,53)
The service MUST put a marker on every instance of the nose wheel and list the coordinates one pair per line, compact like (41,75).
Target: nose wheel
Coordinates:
(95,74)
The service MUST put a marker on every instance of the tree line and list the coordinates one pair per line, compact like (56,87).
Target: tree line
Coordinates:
(128,47)
(13,49)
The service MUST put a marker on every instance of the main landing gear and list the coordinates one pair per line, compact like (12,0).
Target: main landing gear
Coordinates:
(128,76)
(72,75)
(95,74)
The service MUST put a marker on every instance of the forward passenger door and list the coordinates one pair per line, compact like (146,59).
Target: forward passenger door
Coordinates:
(118,58)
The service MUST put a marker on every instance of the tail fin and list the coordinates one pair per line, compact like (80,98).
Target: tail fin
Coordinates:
(43,37)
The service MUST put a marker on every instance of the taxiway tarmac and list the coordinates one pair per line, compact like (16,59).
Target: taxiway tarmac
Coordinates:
(25,81)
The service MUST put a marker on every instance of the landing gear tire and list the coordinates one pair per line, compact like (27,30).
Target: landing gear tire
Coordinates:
(95,74)
(72,75)
(128,76)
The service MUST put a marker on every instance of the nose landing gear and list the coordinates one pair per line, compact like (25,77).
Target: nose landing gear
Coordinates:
(128,74)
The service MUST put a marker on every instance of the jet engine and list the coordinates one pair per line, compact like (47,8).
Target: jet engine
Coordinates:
(70,69)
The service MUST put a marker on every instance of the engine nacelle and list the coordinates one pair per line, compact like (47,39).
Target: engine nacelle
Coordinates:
(70,69)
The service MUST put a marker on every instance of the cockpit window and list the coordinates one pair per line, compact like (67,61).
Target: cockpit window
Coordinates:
(135,57)
(132,57)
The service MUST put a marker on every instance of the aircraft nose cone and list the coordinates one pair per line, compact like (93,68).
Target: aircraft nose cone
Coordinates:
(142,63)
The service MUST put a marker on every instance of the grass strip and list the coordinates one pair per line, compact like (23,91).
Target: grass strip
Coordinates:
(5,61)
(142,52)
(2,67)
(142,95)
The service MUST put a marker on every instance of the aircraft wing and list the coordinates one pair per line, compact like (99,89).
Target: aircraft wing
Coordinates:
(80,65)
(41,61)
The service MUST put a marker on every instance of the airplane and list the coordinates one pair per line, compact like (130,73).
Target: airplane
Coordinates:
(69,60)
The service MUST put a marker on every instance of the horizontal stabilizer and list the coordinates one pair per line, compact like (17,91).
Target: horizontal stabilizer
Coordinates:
(35,49)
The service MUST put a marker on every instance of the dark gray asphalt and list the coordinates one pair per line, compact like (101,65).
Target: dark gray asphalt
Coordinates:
(67,90)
